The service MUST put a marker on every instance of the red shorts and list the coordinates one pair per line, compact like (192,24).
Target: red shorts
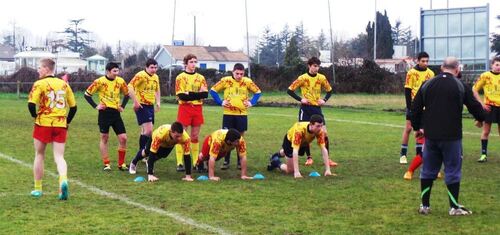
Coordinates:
(190,115)
(47,134)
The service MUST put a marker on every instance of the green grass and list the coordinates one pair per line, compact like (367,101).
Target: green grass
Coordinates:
(368,196)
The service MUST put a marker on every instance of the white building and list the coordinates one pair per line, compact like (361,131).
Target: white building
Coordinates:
(68,62)
(7,64)
(219,58)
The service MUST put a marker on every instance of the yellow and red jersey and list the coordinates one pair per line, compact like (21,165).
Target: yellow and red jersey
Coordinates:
(490,84)
(236,93)
(145,87)
(219,148)
(310,86)
(53,96)
(299,135)
(161,138)
(108,90)
(189,82)
(415,78)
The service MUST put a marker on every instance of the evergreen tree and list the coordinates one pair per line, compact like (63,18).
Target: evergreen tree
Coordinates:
(385,44)
(292,56)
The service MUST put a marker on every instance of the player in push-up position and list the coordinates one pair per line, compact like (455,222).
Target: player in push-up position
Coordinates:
(297,139)
(217,145)
(163,141)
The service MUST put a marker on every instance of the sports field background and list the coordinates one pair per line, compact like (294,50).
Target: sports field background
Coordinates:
(369,195)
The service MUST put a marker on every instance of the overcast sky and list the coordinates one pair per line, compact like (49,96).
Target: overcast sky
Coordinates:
(219,22)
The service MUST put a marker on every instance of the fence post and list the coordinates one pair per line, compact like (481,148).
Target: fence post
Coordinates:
(18,89)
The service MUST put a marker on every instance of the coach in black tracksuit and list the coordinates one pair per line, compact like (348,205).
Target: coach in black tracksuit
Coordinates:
(437,109)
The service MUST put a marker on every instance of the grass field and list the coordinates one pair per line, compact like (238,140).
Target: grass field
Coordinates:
(368,196)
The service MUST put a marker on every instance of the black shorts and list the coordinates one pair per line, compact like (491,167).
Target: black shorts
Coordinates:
(110,118)
(238,122)
(493,115)
(287,148)
(408,114)
(145,114)
(306,111)
(161,153)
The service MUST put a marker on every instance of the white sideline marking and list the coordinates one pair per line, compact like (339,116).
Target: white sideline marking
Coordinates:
(352,121)
(182,219)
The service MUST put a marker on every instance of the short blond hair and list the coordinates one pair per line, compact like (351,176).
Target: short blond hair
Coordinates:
(48,63)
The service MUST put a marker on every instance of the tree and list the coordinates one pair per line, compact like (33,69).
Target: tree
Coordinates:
(495,41)
(322,42)
(292,56)
(359,46)
(384,36)
(89,51)
(401,35)
(108,53)
(74,40)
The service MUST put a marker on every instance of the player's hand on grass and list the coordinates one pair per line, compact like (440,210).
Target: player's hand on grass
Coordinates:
(152,178)
(321,102)
(244,177)
(297,175)
(101,107)
(187,178)
(137,106)
(304,101)
(214,178)
(329,173)
(478,124)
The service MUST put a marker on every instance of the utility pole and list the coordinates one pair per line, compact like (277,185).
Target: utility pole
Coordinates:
(169,86)
(248,41)
(332,49)
(14,35)
(375,35)
(194,40)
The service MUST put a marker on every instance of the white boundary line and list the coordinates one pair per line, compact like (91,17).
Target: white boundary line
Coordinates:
(350,121)
(180,218)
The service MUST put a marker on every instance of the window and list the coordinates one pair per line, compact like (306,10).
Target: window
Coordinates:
(481,47)
(440,24)
(468,23)
(441,48)
(203,65)
(454,47)
(222,67)
(429,47)
(454,24)
(481,22)
(429,26)
(468,47)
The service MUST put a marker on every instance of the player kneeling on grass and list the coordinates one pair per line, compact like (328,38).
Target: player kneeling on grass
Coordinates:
(294,143)
(217,145)
(163,141)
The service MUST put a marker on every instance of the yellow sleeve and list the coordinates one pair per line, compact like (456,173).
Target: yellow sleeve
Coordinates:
(253,87)
(157,80)
(124,88)
(34,96)
(156,141)
(220,85)
(409,79)
(215,147)
(70,97)
(138,79)
(186,146)
(296,84)
(481,81)
(321,139)
(93,87)
(296,139)
(180,85)
(326,84)
(242,148)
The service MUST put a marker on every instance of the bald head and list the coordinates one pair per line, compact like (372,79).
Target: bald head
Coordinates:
(451,65)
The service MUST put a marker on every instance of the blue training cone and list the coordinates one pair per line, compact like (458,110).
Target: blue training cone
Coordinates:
(139,179)
(314,174)
(258,176)
(202,178)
